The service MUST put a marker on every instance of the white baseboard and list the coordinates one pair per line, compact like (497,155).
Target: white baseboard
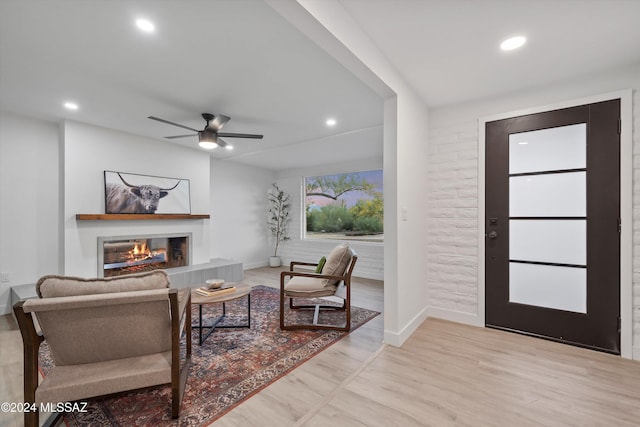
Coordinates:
(396,339)
(455,316)
(258,264)
(636,352)
(6,308)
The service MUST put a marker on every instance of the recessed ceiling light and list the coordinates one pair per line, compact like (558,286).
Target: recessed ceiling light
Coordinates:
(331,122)
(70,105)
(208,145)
(523,143)
(513,43)
(145,25)
(229,147)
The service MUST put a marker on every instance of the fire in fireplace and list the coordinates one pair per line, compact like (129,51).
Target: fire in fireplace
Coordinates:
(133,254)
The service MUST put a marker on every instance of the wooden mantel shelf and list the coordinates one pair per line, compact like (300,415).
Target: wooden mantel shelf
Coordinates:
(134,217)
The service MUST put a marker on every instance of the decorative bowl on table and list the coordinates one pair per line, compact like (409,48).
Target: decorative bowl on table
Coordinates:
(214,283)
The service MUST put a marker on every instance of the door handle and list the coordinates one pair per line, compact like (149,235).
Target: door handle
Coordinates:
(492,234)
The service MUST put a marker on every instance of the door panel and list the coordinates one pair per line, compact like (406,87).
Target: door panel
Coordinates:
(562,194)
(551,286)
(557,148)
(552,211)
(552,241)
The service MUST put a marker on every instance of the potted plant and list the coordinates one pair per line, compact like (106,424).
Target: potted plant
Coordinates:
(278,220)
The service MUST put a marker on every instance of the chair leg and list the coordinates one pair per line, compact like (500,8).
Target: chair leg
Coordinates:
(330,307)
(175,401)
(179,373)
(316,307)
(282,297)
(177,390)
(31,419)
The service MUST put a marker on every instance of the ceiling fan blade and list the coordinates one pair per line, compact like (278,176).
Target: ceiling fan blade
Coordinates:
(171,123)
(221,143)
(218,121)
(240,135)
(180,136)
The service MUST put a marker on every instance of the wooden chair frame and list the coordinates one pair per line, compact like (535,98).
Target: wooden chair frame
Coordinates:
(346,306)
(32,338)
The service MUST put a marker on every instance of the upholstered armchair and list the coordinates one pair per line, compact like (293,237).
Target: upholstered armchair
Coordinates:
(331,280)
(105,336)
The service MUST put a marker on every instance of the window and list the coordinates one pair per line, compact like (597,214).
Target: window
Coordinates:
(345,206)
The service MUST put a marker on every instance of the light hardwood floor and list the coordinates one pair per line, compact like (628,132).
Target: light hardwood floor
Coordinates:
(446,374)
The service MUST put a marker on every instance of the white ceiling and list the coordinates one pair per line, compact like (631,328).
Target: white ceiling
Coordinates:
(448,50)
(242,59)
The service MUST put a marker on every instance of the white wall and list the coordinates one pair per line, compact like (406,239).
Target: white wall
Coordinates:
(411,212)
(88,152)
(370,255)
(238,213)
(29,194)
(452,245)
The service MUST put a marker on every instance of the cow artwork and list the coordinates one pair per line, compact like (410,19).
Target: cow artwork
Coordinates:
(133,199)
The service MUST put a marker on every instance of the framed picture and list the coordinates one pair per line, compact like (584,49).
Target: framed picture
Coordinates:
(130,193)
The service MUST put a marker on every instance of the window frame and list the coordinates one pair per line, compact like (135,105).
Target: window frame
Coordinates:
(364,240)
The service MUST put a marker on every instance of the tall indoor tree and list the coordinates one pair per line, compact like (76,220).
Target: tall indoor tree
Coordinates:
(279,207)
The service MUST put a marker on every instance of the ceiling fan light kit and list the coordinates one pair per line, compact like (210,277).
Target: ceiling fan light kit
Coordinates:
(207,145)
(208,138)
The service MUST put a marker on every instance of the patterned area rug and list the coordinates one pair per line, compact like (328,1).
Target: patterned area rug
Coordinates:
(230,366)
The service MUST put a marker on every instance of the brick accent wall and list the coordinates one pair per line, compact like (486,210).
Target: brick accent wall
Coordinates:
(452,242)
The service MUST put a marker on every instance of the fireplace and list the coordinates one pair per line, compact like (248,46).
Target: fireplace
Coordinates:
(133,254)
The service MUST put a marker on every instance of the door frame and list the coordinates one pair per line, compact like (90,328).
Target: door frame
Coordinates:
(626,206)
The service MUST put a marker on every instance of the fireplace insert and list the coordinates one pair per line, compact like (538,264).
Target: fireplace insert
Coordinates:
(133,254)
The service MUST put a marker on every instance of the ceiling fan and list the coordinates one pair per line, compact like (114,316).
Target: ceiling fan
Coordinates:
(210,136)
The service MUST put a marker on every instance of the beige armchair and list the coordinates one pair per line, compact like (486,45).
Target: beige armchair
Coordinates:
(105,336)
(334,280)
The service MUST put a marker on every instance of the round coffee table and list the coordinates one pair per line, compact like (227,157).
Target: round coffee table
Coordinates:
(240,291)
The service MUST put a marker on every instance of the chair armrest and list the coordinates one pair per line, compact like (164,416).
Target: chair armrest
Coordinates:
(184,309)
(180,306)
(294,263)
(184,301)
(31,340)
(29,326)
(314,275)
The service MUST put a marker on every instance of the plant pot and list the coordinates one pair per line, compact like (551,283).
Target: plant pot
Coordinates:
(274,261)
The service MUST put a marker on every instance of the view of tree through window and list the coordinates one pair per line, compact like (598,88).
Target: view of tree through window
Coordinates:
(345,206)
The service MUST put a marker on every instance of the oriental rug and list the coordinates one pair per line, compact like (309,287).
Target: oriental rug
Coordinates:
(229,367)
